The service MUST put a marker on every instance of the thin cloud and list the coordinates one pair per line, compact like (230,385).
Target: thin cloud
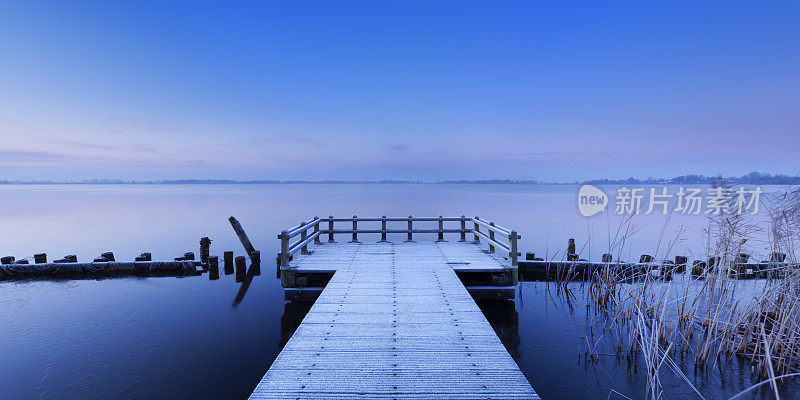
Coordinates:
(87,145)
(145,148)
(398,147)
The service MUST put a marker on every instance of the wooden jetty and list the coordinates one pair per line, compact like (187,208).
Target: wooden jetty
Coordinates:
(394,320)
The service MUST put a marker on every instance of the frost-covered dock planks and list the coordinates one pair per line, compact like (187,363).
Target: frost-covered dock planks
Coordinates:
(395,322)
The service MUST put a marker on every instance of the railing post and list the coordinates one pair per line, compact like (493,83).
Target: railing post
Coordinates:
(491,238)
(303,236)
(475,231)
(330,229)
(512,239)
(410,227)
(383,228)
(355,229)
(316,230)
(284,249)
(463,229)
(441,230)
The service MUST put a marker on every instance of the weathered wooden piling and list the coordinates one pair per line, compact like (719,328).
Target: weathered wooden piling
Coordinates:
(205,249)
(108,256)
(241,268)
(40,258)
(777,257)
(571,254)
(7,260)
(237,227)
(255,263)
(213,267)
(228,261)
(645,258)
(144,257)
(607,258)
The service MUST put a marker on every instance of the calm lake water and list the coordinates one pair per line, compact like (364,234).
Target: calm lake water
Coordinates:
(168,337)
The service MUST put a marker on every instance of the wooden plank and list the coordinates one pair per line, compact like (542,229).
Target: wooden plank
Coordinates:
(395,322)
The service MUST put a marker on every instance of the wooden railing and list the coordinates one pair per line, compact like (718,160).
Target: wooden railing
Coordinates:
(495,236)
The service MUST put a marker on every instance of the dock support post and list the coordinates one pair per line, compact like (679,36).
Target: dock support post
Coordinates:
(303,236)
(40,258)
(477,228)
(491,238)
(441,230)
(355,229)
(330,229)
(284,249)
(463,229)
(383,229)
(410,227)
(316,230)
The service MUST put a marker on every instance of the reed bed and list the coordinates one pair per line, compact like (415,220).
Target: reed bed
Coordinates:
(653,319)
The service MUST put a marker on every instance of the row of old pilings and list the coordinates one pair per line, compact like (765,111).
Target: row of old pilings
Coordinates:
(230,264)
(535,268)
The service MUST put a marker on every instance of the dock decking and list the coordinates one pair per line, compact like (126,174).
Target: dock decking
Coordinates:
(395,322)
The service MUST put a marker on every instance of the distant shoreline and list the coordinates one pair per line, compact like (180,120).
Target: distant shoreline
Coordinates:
(753,178)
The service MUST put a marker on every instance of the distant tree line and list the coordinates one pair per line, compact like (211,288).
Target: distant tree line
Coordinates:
(753,178)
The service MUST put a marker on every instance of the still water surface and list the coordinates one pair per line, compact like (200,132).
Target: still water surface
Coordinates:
(168,337)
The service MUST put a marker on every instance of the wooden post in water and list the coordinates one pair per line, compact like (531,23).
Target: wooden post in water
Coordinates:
(241,268)
(227,258)
(441,230)
(255,263)
(463,229)
(571,255)
(607,258)
(383,229)
(330,229)
(410,227)
(108,256)
(40,258)
(7,260)
(213,268)
(144,257)
(205,249)
(237,227)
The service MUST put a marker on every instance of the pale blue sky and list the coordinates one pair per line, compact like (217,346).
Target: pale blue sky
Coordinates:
(552,91)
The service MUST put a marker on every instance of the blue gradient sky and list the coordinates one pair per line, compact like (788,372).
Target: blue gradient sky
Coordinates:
(398,90)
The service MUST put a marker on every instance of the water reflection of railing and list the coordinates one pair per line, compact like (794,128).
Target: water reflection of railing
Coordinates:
(495,236)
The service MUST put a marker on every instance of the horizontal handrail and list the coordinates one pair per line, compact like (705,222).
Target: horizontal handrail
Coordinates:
(303,227)
(337,231)
(490,226)
(299,245)
(492,241)
(396,219)
(492,234)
